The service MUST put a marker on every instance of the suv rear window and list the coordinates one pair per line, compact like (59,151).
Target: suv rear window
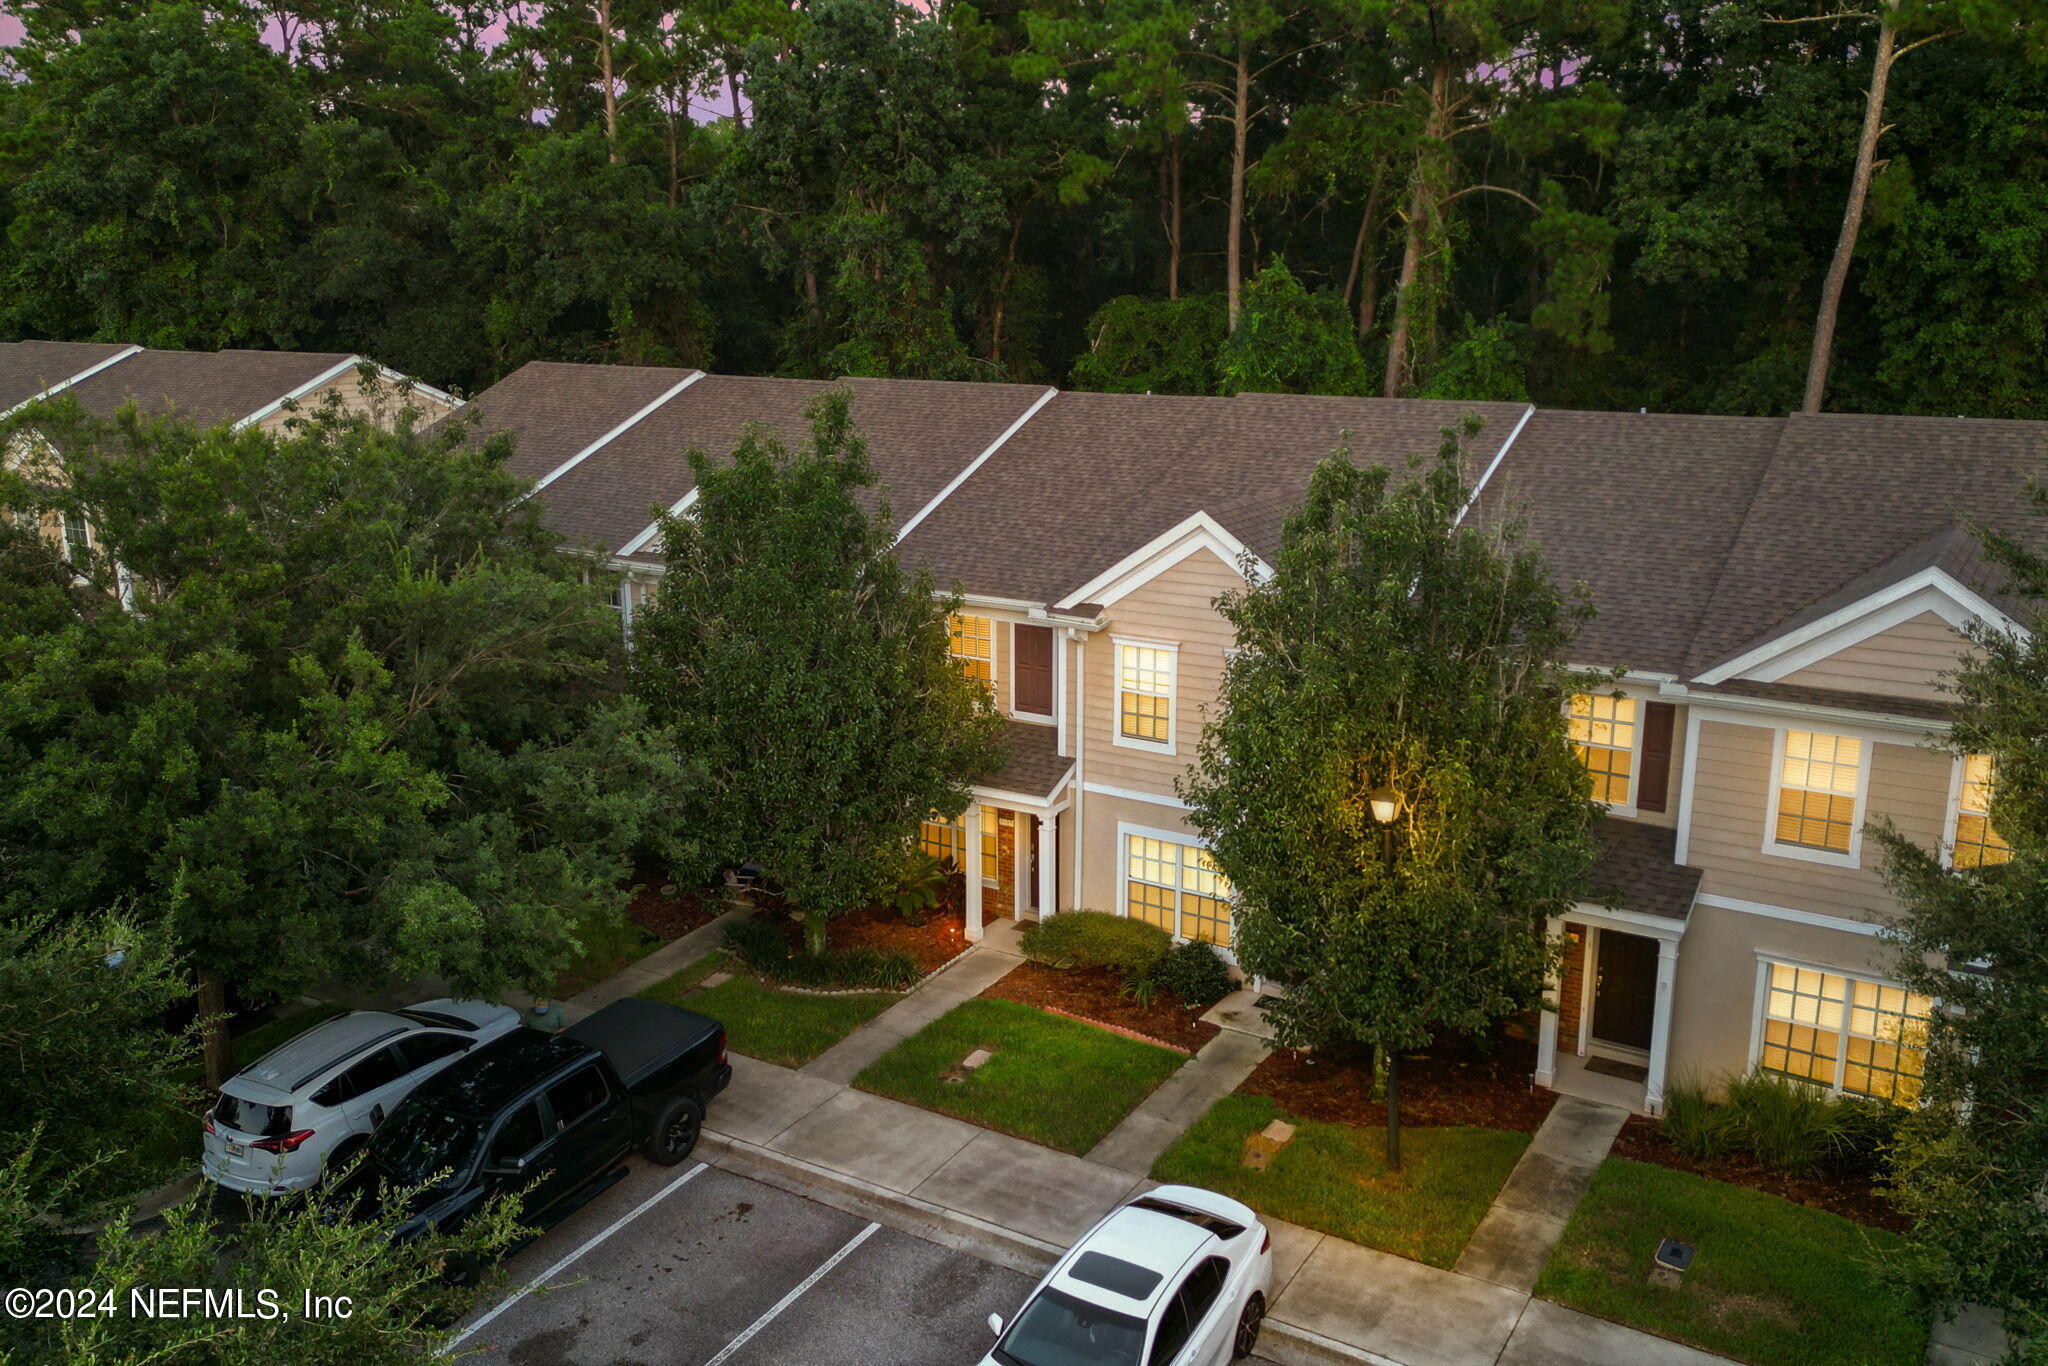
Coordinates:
(249,1117)
(1221,1227)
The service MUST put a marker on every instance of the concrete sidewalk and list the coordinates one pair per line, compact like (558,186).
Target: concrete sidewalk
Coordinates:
(1513,1242)
(967,976)
(1162,1117)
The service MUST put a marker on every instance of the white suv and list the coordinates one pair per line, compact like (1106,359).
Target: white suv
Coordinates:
(1177,1277)
(313,1100)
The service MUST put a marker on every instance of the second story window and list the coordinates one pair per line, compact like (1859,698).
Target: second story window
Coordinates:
(77,538)
(974,646)
(1819,780)
(1977,845)
(1603,731)
(1144,696)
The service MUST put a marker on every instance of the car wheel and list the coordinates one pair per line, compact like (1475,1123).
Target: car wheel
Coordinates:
(675,1132)
(343,1154)
(1248,1324)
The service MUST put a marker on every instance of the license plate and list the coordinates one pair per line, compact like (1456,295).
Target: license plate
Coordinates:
(235,1149)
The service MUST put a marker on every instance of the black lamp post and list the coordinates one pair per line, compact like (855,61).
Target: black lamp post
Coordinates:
(1386,805)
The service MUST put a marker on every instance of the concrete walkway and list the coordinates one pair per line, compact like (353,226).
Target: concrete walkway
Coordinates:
(966,977)
(1162,1117)
(656,967)
(1513,1242)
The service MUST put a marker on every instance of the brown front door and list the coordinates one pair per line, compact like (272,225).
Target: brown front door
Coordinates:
(1032,668)
(1625,992)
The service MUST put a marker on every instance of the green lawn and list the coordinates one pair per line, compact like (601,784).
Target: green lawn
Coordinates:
(1774,1283)
(1052,1080)
(1334,1177)
(783,1027)
(172,1142)
(610,942)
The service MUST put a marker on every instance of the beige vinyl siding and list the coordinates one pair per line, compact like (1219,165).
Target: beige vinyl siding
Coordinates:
(1101,862)
(1173,609)
(1906,661)
(1731,799)
(358,400)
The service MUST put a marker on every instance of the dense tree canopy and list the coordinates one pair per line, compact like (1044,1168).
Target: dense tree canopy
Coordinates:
(364,719)
(1613,204)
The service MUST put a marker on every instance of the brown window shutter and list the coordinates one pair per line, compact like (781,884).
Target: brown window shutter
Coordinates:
(1654,782)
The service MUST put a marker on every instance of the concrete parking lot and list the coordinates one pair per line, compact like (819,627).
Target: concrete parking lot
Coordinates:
(721,1270)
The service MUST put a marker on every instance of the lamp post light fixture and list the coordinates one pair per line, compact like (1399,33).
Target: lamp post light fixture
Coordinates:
(1386,805)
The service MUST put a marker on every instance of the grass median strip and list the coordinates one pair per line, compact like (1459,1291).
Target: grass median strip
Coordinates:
(1334,1177)
(785,1027)
(1051,1080)
(1773,1283)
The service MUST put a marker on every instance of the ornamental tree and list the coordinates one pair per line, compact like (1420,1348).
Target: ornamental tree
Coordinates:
(808,672)
(1971,1164)
(1395,648)
(362,720)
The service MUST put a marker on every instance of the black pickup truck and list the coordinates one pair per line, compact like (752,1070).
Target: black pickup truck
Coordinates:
(553,1116)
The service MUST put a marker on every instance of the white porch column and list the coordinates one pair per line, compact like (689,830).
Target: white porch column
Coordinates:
(1048,865)
(1546,1023)
(1660,1027)
(971,823)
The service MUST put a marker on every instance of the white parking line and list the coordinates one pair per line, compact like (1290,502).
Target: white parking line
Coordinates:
(645,1205)
(791,1298)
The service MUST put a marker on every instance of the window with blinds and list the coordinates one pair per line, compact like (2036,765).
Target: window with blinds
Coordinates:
(1817,786)
(1603,731)
(1844,1033)
(1977,845)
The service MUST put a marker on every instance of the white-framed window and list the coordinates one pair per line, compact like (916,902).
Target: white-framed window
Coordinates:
(1608,734)
(991,844)
(77,538)
(973,644)
(1840,1031)
(1818,784)
(1171,882)
(944,840)
(1144,695)
(1972,841)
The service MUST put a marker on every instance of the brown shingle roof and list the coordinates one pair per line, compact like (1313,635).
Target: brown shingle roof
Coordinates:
(28,368)
(1093,477)
(555,409)
(206,387)
(1034,767)
(1845,497)
(1637,869)
(1643,509)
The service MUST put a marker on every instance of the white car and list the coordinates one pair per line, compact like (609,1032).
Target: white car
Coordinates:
(313,1101)
(1177,1277)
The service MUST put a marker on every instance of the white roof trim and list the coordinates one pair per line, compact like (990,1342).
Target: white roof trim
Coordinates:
(87,373)
(1494,464)
(964,475)
(614,434)
(676,509)
(1931,590)
(418,386)
(1199,531)
(330,374)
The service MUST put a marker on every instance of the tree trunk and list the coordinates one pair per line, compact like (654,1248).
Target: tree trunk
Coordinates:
(1393,1110)
(213,1015)
(1365,259)
(611,87)
(995,348)
(814,933)
(1169,210)
(674,157)
(1852,219)
(1421,206)
(732,84)
(1233,285)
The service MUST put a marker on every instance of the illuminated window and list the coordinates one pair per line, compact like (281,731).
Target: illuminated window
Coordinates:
(1603,731)
(1817,785)
(1144,694)
(1844,1033)
(1977,845)
(945,841)
(1176,887)
(991,823)
(974,646)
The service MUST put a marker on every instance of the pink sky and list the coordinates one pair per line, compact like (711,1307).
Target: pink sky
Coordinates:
(10,29)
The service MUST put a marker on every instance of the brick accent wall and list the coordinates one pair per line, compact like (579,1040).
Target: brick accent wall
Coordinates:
(1571,989)
(1002,899)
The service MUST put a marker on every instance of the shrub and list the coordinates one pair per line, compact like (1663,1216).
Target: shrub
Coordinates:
(886,971)
(1195,974)
(918,884)
(758,943)
(1785,1123)
(1696,1127)
(1869,1128)
(1096,939)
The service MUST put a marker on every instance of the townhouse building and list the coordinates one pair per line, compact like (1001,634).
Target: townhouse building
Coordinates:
(1779,600)
(259,389)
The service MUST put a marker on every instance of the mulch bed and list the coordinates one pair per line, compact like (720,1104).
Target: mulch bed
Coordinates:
(941,938)
(672,917)
(1853,1197)
(1444,1084)
(1095,995)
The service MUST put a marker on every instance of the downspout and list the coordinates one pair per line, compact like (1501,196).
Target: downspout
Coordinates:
(1080,756)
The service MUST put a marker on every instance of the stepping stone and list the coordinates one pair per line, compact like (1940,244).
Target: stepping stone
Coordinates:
(976,1058)
(715,979)
(1262,1147)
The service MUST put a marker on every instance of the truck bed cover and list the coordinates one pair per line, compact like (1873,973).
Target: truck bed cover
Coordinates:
(639,1037)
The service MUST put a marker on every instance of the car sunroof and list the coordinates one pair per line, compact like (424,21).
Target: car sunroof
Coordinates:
(1114,1274)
